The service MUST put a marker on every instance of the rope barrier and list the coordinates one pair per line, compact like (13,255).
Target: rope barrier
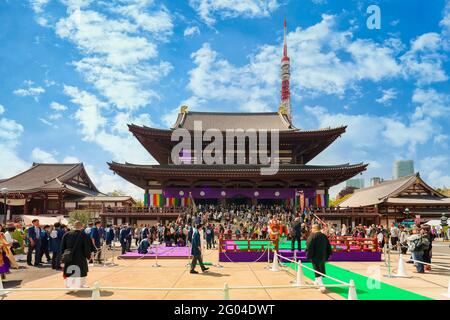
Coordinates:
(312,269)
(257,260)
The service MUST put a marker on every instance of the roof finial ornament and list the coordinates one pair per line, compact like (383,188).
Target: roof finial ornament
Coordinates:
(184,109)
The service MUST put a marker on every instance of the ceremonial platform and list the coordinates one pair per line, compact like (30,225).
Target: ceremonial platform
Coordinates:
(344,249)
(161,251)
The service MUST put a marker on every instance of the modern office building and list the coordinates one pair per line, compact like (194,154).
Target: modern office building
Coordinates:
(358,183)
(402,168)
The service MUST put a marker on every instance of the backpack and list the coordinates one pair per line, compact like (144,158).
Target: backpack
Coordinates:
(418,244)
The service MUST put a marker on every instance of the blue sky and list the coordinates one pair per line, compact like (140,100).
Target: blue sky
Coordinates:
(73,73)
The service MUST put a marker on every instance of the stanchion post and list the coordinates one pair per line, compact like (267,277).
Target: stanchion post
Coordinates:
(113,253)
(96,291)
(226,292)
(2,289)
(352,291)
(299,280)
(447,294)
(156,265)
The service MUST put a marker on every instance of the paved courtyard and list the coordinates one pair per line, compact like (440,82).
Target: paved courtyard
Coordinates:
(174,273)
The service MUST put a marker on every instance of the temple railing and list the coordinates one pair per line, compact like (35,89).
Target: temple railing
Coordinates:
(347,211)
(144,211)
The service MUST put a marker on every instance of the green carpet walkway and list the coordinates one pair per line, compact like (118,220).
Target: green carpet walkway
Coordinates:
(383,292)
(283,245)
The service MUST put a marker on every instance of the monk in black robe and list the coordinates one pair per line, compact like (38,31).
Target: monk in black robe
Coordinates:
(78,241)
(318,250)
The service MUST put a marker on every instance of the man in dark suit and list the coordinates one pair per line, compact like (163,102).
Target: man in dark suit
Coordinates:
(296,234)
(196,250)
(45,243)
(123,238)
(34,240)
(55,245)
(95,239)
(318,250)
(129,238)
(109,235)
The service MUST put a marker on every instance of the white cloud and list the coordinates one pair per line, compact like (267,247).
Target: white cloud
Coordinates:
(383,141)
(215,78)
(42,156)
(38,5)
(48,123)
(108,182)
(190,31)
(118,59)
(430,104)
(109,133)
(388,96)
(317,67)
(89,114)
(2,109)
(159,22)
(10,135)
(424,61)
(71,159)
(434,170)
(208,10)
(57,106)
(30,91)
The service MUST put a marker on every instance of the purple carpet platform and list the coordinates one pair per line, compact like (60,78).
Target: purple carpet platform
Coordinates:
(231,254)
(260,257)
(163,253)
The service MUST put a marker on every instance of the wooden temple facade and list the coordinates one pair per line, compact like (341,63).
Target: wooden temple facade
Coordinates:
(231,183)
(408,197)
(54,190)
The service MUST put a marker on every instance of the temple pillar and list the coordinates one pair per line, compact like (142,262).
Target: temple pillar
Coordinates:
(44,211)
(60,203)
(25,207)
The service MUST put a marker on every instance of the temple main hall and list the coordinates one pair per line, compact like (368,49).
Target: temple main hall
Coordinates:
(171,185)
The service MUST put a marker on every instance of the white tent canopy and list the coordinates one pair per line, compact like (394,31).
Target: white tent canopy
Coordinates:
(44,220)
(434,223)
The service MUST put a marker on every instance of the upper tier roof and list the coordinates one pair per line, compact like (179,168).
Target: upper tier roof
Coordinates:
(234,120)
(46,177)
(304,144)
(141,174)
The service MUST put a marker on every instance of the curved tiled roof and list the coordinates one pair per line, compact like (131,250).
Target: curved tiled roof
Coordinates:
(234,120)
(43,176)
(388,192)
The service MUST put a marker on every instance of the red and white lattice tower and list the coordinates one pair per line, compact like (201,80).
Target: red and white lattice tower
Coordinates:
(285,77)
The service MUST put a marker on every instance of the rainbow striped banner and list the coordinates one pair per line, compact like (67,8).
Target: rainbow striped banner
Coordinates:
(173,202)
(145,199)
(156,199)
(185,202)
(322,200)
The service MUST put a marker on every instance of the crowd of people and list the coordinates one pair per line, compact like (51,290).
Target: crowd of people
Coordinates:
(261,222)
(35,243)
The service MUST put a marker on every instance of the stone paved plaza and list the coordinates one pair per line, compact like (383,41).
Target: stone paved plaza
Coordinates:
(173,273)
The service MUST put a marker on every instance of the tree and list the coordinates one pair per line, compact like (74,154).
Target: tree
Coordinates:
(338,201)
(139,203)
(445,191)
(117,193)
(84,216)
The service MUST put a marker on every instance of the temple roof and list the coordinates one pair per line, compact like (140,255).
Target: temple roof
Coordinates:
(51,177)
(234,120)
(140,174)
(305,144)
(396,192)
